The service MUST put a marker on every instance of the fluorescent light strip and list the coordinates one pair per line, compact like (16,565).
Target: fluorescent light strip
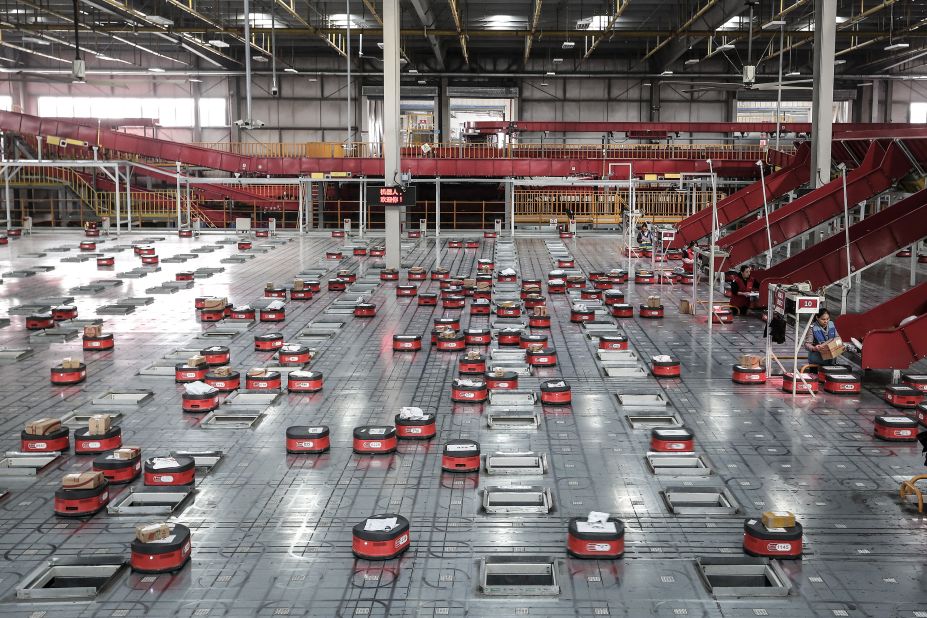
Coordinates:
(150,51)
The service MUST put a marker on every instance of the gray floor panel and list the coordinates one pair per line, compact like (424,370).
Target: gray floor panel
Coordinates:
(272,532)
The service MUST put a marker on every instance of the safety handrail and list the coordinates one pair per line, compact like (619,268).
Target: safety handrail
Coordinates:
(542,205)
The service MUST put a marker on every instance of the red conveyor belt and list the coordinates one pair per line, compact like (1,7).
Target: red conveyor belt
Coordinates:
(886,345)
(887,315)
(872,239)
(882,167)
(747,200)
(163,150)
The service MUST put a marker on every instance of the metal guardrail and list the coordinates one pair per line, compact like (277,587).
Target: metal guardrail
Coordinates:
(605,207)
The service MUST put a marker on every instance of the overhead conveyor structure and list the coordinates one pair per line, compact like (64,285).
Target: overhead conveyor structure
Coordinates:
(886,345)
(872,239)
(365,159)
(883,166)
(746,201)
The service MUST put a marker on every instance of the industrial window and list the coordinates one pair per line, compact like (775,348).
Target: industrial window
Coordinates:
(212,113)
(789,111)
(178,112)
(918,112)
(6,102)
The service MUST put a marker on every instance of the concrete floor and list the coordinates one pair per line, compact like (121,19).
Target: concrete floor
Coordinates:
(272,532)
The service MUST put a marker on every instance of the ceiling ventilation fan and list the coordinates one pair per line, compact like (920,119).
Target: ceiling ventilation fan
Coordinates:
(748,74)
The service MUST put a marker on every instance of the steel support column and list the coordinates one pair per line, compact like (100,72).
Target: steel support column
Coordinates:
(190,206)
(510,205)
(445,113)
(118,205)
(178,195)
(437,223)
(391,164)
(822,99)
(300,206)
(362,204)
(128,199)
(7,191)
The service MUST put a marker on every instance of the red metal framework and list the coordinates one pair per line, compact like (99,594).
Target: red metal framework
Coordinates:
(872,239)
(856,129)
(887,315)
(886,345)
(124,145)
(747,200)
(882,167)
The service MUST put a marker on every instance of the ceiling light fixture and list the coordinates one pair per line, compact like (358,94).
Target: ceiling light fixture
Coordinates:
(413,70)
(549,73)
(725,47)
(666,73)
(568,45)
(772,25)
(218,43)
(156,69)
(160,21)
(892,45)
(194,80)
(557,60)
(840,61)
(290,70)
(691,61)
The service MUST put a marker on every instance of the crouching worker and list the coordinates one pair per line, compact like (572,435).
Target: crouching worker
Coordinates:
(742,289)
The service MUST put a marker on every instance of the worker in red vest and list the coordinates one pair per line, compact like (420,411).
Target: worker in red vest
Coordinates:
(741,289)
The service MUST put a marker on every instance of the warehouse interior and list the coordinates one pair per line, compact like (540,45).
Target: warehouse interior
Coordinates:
(463,308)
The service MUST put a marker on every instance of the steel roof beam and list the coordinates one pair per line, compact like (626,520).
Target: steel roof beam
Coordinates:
(425,12)
(460,35)
(619,9)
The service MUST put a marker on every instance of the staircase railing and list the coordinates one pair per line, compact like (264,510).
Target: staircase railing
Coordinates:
(145,204)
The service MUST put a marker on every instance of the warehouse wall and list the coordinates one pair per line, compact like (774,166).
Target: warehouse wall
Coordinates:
(902,94)
(590,100)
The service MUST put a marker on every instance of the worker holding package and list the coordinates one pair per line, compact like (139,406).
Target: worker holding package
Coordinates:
(823,344)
